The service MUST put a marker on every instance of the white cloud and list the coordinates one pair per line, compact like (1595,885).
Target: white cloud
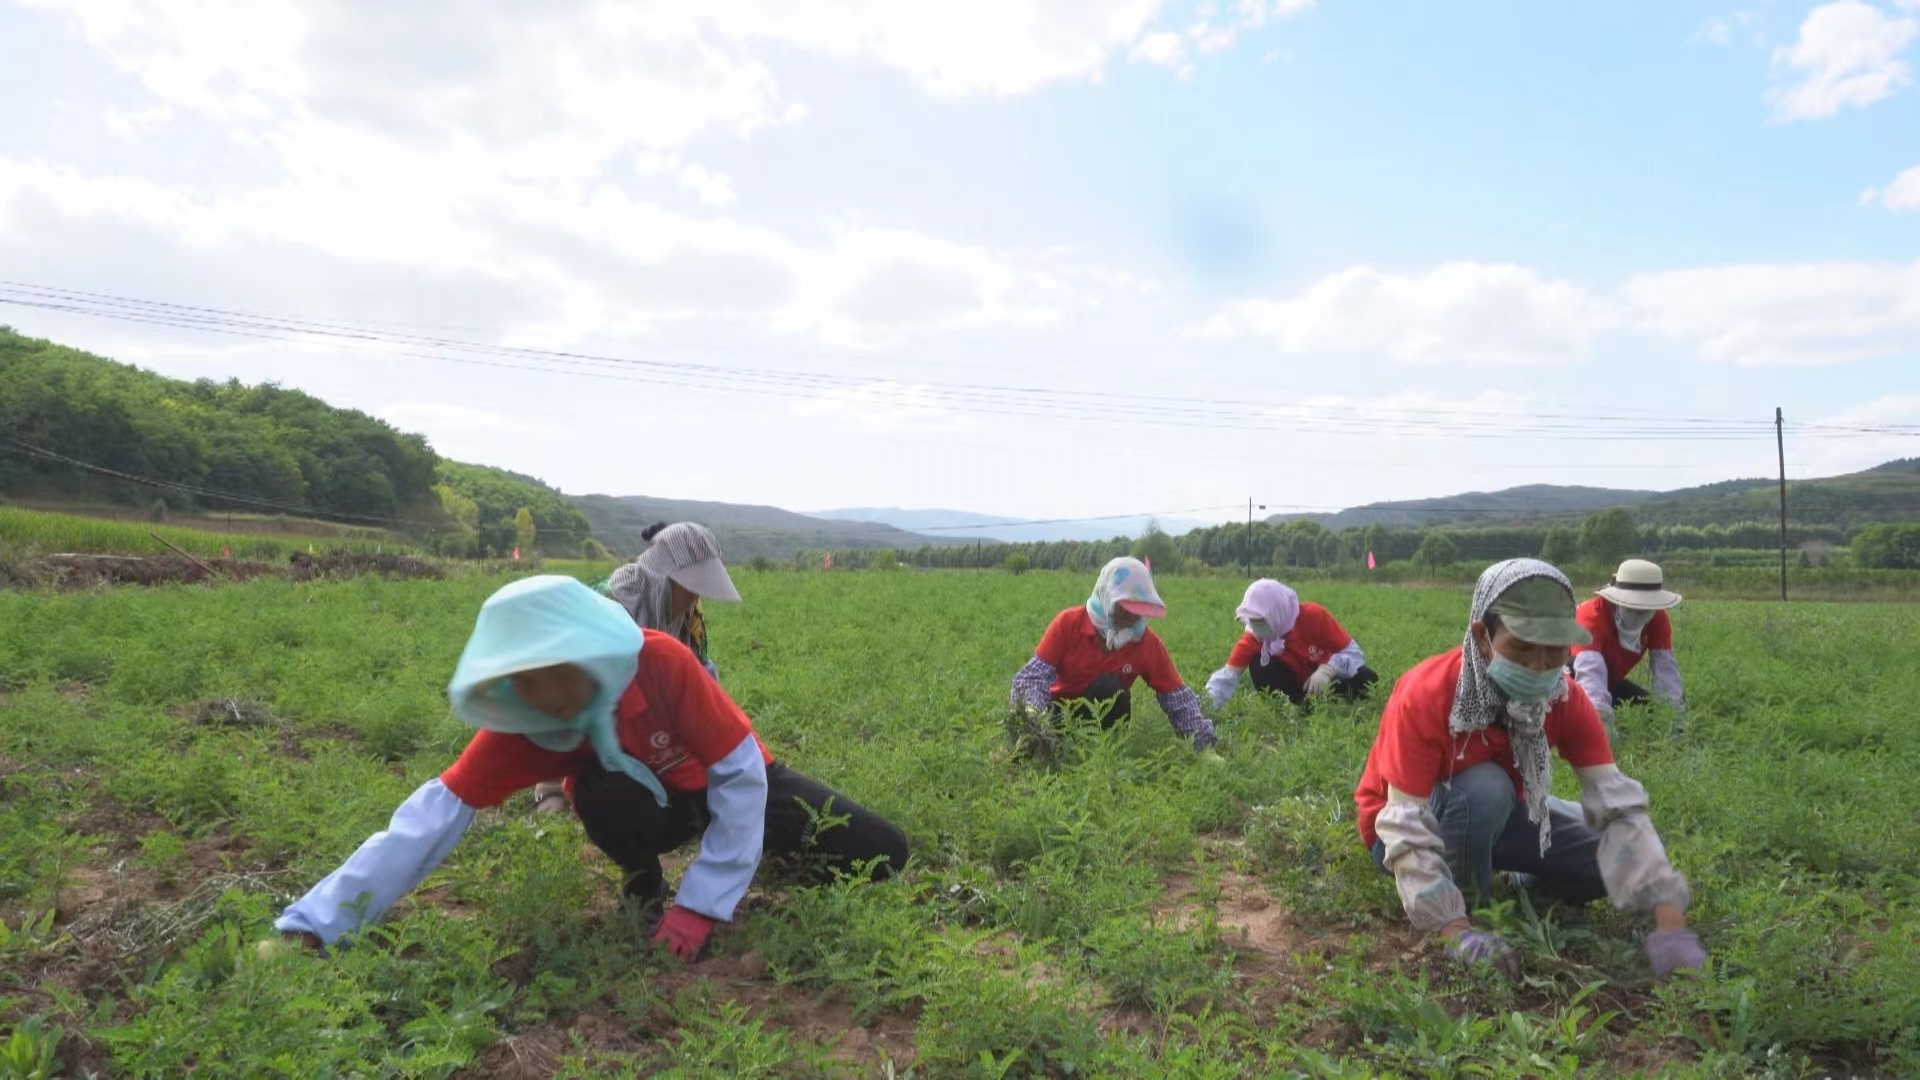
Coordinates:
(133,124)
(495,149)
(951,48)
(1884,420)
(441,418)
(711,188)
(1752,315)
(1163,49)
(596,262)
(1461,312)
(1847,54)
(1206,36)
(1398,416)
(1785,315)
(1722,30)
(1902,193)
(882,408)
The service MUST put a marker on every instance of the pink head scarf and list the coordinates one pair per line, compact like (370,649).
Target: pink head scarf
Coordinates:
(1278,606)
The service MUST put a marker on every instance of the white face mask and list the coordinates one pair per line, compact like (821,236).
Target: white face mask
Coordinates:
(1632,620)
(1260,629)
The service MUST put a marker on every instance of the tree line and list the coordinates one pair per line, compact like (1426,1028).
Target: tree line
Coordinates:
(1601,538)
(207,445)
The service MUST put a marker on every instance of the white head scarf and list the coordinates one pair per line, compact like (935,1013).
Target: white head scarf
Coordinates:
(1123,579)
(1478,702)
(1277,606)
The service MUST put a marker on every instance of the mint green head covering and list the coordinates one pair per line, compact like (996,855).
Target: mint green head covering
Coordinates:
(538,622)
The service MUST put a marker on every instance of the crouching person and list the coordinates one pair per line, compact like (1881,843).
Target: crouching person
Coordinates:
(563,685)
(1088,659)
(1458,783)
(1292,648)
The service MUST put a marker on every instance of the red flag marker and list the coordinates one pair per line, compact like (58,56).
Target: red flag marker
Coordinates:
(1369,560)
(516,554)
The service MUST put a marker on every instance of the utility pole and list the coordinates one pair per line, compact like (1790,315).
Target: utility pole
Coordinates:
(1246,547)
(1780,440)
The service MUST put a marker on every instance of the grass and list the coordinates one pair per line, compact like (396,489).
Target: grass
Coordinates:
(176,763)
(49,532)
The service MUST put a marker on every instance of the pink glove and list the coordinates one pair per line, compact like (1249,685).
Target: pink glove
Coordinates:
(684,930)
(1485,947)
(1671,950)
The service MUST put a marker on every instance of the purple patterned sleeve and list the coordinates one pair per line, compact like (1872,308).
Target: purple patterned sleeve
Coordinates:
(1183,709)
(1033,685)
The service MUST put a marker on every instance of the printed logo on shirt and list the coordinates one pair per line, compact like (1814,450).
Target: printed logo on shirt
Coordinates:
(661,740)
(1126,669)
(1316,654)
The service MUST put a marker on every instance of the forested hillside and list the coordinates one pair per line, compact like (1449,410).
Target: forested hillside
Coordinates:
(79,428)
(211,444)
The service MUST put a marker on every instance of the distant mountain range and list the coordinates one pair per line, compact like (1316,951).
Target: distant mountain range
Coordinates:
(963,526)
(1525,503)
(744,531)
(1888,492)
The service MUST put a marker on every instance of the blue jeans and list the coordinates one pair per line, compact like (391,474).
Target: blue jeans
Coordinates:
(1483,823)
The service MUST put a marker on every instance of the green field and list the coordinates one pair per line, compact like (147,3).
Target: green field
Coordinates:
(47,532)
(176,763)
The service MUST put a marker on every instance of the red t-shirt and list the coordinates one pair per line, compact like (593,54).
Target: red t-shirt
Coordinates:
(673,717)
(1414,751)
(1079,655)
(1597,616)
(1316,635)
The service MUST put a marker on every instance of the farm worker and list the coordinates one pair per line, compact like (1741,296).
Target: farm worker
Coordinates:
(561,683)
(662,590)
(1292,647)
(1628,620)
(1091,654)
(1458,783)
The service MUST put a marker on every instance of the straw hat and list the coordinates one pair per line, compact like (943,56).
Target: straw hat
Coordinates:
(1639,584)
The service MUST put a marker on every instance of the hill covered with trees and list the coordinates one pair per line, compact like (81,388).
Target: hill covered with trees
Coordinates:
(79,428)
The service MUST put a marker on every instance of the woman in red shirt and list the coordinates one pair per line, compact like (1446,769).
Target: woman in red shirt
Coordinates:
(1628,620)
(563,685)
(1459,782)
(1088,659)
(1292,648)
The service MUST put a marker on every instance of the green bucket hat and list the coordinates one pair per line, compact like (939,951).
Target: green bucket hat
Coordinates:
(1539,610)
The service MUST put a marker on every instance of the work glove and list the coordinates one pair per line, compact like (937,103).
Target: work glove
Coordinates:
(1485,947)
(1221,685)
(1320,681)
(1212,759)
(684,931)
(1671,950)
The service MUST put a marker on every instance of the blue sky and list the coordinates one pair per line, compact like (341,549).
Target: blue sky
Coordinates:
(1387,240)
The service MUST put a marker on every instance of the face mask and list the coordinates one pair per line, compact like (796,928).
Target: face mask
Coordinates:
(1120,637)
(1522,683)
(1632,621)
(1259,628)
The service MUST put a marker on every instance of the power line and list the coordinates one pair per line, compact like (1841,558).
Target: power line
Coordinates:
(1021,401)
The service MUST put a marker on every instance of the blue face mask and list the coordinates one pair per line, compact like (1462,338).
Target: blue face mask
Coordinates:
(1522,683)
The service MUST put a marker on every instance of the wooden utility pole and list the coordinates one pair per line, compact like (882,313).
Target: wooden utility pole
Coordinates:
(1246,546)
(1780,440)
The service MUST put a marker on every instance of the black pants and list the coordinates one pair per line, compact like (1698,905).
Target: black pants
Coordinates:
(623,820)
(1277,678)
(1628,692)
(1086,704)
